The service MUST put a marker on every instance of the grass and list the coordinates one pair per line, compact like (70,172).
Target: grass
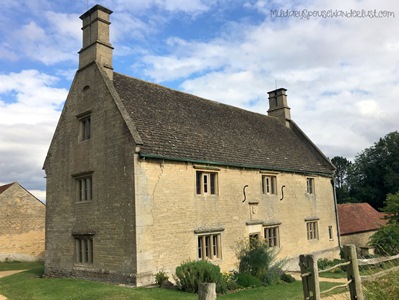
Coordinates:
(384,288)
(18,265)
(30,285)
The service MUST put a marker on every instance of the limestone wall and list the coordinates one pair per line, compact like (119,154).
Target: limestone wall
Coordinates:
(22,227)
(170,214)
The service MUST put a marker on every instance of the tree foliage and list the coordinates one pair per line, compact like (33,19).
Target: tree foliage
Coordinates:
(375,171)
(342,166)
(386,239)
(392,208)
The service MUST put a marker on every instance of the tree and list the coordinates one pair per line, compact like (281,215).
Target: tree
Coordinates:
(342,166)
(375,172)
(392,208)
(386,239)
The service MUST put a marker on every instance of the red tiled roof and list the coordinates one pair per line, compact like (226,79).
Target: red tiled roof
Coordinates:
(4,187)
(358,217)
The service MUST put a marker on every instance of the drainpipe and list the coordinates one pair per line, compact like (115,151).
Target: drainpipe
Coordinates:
(336,212)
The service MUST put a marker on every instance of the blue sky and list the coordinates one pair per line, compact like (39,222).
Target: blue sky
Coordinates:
(341,72)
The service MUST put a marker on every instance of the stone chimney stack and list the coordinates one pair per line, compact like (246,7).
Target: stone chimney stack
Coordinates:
(278,107)
(96,44)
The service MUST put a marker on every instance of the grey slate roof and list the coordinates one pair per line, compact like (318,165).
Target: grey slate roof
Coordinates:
(180,126)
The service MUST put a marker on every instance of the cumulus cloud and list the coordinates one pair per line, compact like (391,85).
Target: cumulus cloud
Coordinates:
(29,111)
(335,70)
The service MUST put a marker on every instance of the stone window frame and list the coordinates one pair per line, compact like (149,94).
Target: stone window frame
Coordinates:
(84,186)
(310,186)
(206,180)
(330,233)
(312,229)
(85,126)
(271,234)
(84,248)
(268,183)
(209,244)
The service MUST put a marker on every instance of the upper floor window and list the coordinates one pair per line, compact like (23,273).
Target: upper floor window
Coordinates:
(310,185)
(85,128)
(269,184)
(206,183)
(85,188)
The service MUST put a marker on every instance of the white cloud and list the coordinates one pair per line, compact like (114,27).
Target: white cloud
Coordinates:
(334,69)
(29,111)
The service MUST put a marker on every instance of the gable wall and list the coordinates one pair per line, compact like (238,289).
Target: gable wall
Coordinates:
(21,225)
(169,211)
(110,214)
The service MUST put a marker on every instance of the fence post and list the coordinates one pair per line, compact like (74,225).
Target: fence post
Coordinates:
(207,291)
(310,277)
(352,273)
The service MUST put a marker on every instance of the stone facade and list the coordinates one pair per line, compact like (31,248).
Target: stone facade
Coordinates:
(359,239)
(170,215)
(130,190)
(22,225)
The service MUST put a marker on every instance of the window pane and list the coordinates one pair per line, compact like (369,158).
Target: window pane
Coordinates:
(213,182)
(198,182)
(215,245)
(200,246)
(207,245)
(79,250)
(205,178)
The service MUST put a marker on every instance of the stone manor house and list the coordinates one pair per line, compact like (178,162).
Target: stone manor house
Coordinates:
(141,178)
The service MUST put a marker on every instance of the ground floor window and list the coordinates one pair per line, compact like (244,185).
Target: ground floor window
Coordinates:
(272,236)
(84,249)
(312,230)
(209,246)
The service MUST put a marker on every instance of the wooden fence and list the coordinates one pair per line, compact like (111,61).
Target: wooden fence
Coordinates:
(310,274)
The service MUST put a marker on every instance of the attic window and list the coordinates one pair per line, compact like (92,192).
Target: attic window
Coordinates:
(85,128)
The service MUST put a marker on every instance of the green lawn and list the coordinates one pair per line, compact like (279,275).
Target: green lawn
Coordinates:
(30,285)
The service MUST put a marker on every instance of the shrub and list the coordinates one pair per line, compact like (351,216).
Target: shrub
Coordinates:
(248,280)
(257,259)
(160,277)
(192,273)
(273,275)
(324,263)
(386,240)
(230,280)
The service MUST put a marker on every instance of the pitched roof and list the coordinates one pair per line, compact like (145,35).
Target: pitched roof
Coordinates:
(358,217)
(179,126)
(4,187)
